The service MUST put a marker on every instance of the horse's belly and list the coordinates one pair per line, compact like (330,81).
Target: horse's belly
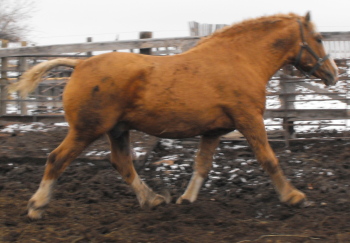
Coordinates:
(181,125)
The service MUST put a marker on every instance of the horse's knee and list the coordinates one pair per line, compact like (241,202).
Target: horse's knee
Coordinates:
(270,166)
(127,171)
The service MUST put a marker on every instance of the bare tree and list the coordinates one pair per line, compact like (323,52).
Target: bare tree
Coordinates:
(13,19)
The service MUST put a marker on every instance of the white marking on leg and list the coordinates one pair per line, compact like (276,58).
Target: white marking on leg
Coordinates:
(141,190)
(40,199)
(193,188)
(145,195)
(43,194)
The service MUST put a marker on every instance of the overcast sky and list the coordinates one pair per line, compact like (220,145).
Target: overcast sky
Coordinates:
(71,21)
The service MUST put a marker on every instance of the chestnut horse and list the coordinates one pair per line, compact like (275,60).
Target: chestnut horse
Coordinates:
(214,88)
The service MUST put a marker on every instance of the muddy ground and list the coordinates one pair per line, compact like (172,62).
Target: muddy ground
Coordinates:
(237,203)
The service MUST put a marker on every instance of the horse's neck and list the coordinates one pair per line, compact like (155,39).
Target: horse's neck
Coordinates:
(266,51)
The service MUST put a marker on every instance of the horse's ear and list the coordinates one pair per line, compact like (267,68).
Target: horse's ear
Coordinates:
(308,17)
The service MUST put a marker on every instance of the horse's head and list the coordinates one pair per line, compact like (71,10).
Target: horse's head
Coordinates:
(312,58)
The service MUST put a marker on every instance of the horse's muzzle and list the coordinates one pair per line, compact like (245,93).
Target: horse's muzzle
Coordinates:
(330,78)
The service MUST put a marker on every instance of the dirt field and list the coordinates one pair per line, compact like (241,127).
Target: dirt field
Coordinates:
(237,202)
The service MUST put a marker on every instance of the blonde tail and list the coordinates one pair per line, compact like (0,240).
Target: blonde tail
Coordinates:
(31,78)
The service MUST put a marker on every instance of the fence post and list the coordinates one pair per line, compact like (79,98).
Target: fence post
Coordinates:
(194,28)
(287,102)
(3,80)
(146,35)
(22,67)
(89,53)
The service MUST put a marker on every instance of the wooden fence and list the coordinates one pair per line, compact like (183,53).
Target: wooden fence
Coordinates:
(287,88)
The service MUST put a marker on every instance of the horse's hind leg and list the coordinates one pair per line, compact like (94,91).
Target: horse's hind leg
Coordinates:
(203,165)
(121,160)
(56,163)
(254,131)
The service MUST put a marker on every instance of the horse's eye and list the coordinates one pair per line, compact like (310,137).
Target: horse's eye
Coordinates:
(319,39)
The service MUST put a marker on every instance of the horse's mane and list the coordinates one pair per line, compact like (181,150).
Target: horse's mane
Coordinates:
(240,27)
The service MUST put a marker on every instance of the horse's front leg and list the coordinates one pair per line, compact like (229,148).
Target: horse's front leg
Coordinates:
(252,127)
(203,165)
(121,160)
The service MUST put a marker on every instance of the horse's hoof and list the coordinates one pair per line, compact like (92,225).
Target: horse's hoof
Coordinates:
(157,200)
(294,198)
(179,200)
(34,212)
(160,200)
(183,201)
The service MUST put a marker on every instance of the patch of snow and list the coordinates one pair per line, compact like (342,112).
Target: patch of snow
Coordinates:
(61,124)
(28,127)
